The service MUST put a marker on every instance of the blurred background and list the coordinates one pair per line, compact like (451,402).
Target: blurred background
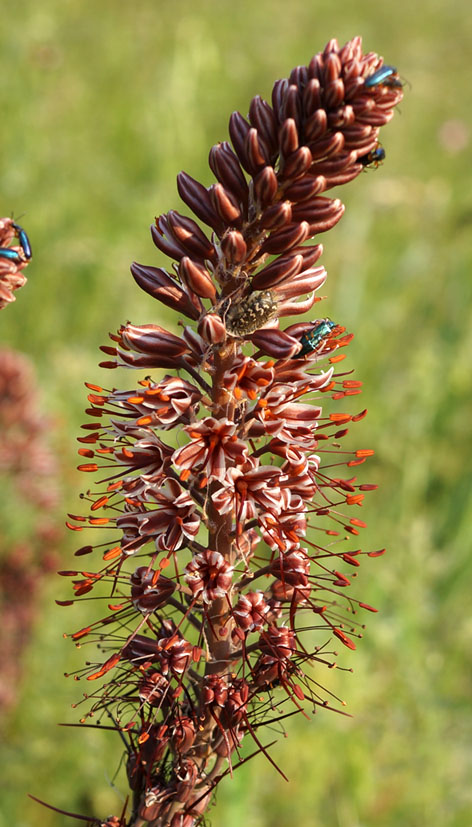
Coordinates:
(102,104)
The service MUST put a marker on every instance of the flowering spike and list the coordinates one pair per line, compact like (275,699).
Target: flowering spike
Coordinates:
(200,653)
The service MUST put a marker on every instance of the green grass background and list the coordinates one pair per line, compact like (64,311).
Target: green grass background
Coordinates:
(102,103)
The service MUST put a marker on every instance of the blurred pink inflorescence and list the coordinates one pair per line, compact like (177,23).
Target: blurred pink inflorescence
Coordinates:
(29,532)
(227,557)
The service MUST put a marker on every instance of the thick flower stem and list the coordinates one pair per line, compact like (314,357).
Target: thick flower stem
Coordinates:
(220,532)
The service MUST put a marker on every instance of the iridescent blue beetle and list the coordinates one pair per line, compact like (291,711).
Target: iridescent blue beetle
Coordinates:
(313,338)
(385,76)
(373,158)
(14,255)
(24,241)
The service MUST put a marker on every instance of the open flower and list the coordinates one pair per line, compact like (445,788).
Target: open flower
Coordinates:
(209,575)
(213,444)
(168,525)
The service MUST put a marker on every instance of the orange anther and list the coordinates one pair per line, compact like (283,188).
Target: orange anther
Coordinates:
(99,503)
(340,418)
(109,664)
(112,553)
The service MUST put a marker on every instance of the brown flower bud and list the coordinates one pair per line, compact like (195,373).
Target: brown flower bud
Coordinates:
(330,145)
(343,177)
(161,286)
(265,186)
(338,163)
(197,197)
(317,209)
(332,68)
(188,233)
(162,238)
(238,130)
(364,138)
(276,343)
(225,204)
(306,188)
(310,254)
(312,99)
(197,278)
(234,247)
(321,225)
(278,215)
(288,137)
(299,77)
(297,163)
(315,66)
(212,329)
(282,592)
(279,92)
(301,283)
(227,170)
(278,270)
(316,126)
(151,339)
(292,307)
(263,119)
(283,240)
(194,342)
(257,152)
(292,104)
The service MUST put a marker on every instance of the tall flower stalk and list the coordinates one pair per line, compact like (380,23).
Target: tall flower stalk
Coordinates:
(225,570)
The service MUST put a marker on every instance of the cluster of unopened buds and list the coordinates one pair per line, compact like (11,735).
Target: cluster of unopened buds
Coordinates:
(230,499)
(13,259)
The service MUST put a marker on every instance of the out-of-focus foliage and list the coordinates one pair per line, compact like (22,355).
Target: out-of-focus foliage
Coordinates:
(102,104)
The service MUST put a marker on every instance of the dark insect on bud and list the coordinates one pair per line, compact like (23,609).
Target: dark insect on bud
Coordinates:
(311,340)
(251,313)
(385,76)
(373,158)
